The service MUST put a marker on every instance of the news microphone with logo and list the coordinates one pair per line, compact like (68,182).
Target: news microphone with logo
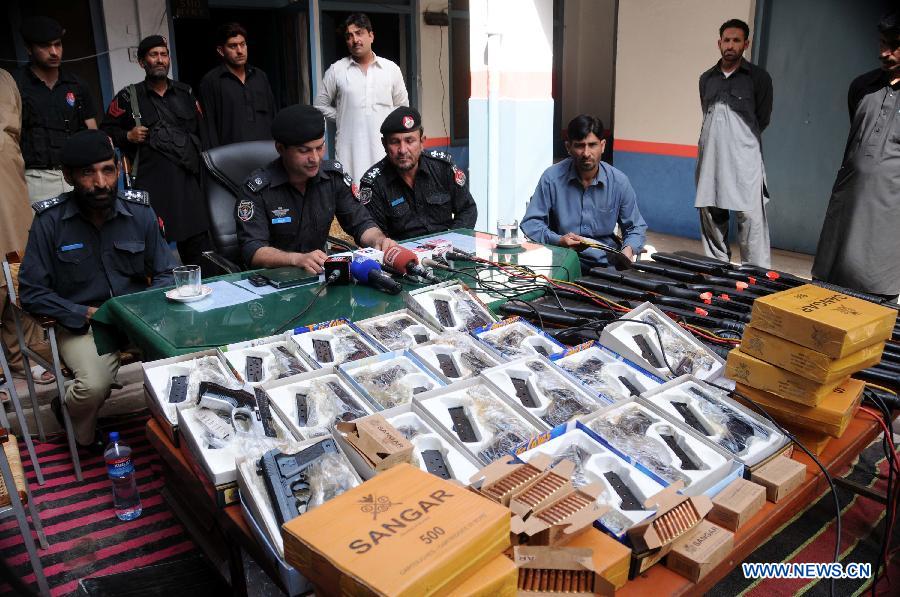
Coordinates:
(368,272)
(337,269)
(403,260)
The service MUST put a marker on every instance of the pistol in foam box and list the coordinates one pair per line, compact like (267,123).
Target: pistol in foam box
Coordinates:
(480,417)
(433,450)
(309,404)
(390,378)
(455,356)
(397,330)
(173,384)
(536,385)
(671,450)
(333,342)
(450,305)
(625,486)
(709,411)
(514,337)
(824,320)
(605,372)
(265,359)
(678,354)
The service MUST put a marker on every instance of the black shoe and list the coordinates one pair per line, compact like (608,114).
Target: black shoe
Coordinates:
(96,447)
(56,407)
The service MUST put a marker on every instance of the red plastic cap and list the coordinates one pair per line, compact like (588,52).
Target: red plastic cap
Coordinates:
(724,297)
(741,285)
(705,296)
(751,279)
(700,311)
(773,275)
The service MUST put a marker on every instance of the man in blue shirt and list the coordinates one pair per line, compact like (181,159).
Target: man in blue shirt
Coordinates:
(582,199)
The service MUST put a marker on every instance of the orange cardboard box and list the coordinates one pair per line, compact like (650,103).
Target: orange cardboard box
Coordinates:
(403,532)
(497,579)
(750,371)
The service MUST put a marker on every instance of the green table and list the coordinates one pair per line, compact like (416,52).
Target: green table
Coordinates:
(161,328)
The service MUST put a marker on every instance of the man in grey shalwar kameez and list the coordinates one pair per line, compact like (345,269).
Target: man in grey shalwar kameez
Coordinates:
(859,246)
(736,98)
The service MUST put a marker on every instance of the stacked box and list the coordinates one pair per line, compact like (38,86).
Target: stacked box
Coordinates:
(799,350)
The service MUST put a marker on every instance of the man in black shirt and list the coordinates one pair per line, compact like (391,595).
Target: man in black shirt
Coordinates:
(164,148)
(237,99)
(287,207)
(55,105)
(86,246)
(410,193)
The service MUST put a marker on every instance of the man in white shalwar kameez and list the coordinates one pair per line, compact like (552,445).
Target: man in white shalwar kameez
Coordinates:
(358,92)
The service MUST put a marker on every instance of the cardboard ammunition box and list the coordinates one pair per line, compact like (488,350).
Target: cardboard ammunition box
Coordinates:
(552,570)
(831,415)
(611,558)
(675,517)
(505,477)
(806,362)
(750,371)
(498,578)
(736,504)
(403,532)
(814,441)
(374,443)
(822,319)
(695,555)
(780,477)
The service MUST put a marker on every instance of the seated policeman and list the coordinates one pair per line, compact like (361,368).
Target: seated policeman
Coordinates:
(287,207)
(582,196)
(84,247)
(410,193)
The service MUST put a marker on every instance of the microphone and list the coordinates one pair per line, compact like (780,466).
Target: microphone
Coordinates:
(403,260)
(368,271)
(438,264)
(337,270)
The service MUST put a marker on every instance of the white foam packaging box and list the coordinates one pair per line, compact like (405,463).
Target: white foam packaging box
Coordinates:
(711,410)
(379,328)
(543,384)
(453,346)
(337,335)
(361,376)
(714,466)
(466,310)
(236,354)
(620,337)
(581,362)
(283,398)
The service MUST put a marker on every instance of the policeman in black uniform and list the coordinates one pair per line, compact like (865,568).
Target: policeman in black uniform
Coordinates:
(286,209)
(164,149)
(56,104)
(410,193)
(84,247)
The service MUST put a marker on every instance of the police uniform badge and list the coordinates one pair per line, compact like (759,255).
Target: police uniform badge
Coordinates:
(408,122)
(245,210)
(70,99)
(365,195)
(459,176)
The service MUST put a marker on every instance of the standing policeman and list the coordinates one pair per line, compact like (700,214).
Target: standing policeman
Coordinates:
(56,104)
(156,123)
(86,246)
(410,193)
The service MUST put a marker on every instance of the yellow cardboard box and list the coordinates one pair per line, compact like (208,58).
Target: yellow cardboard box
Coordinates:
(825,320)
(403,532)
(807,362)
(736,504)
(750,371)
(814,441)
(831,415)
(695,555)
(611,558)
(497,579)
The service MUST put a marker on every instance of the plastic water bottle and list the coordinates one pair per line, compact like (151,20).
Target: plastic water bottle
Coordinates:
(126,499)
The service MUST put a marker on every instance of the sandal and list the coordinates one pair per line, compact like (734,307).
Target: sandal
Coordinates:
(42,376)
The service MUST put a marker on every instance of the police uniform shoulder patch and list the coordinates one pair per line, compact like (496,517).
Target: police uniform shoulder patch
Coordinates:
(257,181)
(371,174)
(348,180)
(365,194)
(332,166)
(459,177)
(245,210)
(42,206)
(441,155)
(135,196)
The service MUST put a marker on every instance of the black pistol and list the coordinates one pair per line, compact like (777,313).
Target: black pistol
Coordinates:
(286,480)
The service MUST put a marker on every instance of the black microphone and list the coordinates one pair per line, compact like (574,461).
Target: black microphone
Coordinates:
(337,270)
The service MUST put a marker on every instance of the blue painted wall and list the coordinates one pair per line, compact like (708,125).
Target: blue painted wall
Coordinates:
(665,190)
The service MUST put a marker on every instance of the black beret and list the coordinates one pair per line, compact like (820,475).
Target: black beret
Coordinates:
(40,30)
(150,42)
(401,120)
(87,147)
(298,124)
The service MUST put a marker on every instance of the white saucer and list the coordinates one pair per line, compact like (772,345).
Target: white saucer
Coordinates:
(173,295)
(508,245)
